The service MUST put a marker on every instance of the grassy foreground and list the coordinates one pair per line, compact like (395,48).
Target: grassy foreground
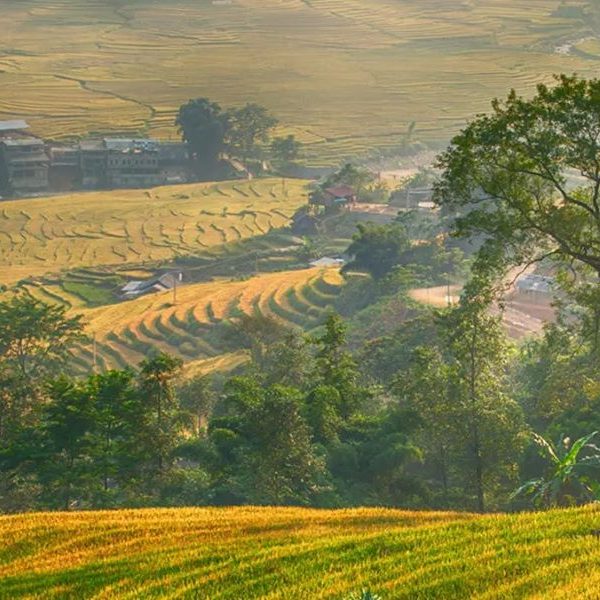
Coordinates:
(299,554)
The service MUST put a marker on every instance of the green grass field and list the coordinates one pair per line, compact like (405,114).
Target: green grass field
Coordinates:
(123,227)
(345,76)
(298,554)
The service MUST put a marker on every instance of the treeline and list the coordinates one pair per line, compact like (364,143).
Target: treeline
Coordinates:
(438,414)
(244,134)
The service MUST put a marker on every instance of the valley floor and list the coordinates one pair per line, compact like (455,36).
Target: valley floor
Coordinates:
(290,553)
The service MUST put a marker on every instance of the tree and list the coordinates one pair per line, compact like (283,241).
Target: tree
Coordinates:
(506,177)
(266,444)
(573,478)
(197,397)
(472,430)
(63,455)
(249,131)
(285,150)
(118,419)
(157,377)
(378,248)
(336,366)
(204,126)
(35,343)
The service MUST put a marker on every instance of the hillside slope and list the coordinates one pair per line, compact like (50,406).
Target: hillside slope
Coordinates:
(344,76)
(289,553)
(120,227)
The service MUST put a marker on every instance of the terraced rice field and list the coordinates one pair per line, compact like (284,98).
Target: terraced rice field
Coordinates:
(125,333)
(122,227)
(345,76)
(297,554)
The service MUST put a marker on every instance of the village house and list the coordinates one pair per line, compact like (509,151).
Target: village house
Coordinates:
(119,163)
(24,163)
(160,283)
(339,195)
(535,287)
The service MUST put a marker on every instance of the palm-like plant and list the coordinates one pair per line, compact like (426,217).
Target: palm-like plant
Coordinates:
(571,478)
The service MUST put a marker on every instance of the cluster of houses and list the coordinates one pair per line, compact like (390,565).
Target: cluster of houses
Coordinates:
(29,165)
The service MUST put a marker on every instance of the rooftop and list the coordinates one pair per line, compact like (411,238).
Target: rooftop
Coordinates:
(24,141)
(535,283)
(13,125)
(130,145)
(341,191)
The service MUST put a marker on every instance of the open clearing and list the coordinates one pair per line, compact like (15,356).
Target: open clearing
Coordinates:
(297,554)
(120,227)
(345,76)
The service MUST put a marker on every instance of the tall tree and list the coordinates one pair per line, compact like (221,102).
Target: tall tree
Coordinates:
(157,377)
(378,248)
(35,343)
(204,126)
(249,131)
(507,176)
(267,443)
(285,150)
(337,368)
(118,420)
(63,455)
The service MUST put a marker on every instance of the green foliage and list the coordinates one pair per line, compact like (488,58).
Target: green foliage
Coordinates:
(204,126)
(285,150)
(364,595)
(378,248)
(572,477)
(248,132)
(506,176)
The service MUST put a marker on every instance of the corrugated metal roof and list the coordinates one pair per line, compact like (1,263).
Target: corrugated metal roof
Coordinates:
(13,125)
(26,141)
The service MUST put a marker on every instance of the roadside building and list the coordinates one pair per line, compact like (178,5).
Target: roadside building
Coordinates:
(92,163)
(24,165)
(132,163)
(64,173)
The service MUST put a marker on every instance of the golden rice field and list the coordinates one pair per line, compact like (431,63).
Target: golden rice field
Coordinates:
(345,76)
(300,554)
(116,228)
(126,332)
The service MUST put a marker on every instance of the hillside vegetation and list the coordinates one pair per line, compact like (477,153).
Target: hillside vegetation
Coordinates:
(126,332)
(356,73)
(293,554)
(121,227)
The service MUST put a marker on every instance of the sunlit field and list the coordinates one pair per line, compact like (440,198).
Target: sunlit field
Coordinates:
(120,227)
(345,76)
(293,554)
(127,332)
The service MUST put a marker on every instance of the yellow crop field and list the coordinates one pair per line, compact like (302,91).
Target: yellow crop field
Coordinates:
(127,331)
(299,554)
(136,226)
(345,76)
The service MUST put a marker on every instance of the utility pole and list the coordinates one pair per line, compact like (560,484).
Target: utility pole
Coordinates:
(95,353)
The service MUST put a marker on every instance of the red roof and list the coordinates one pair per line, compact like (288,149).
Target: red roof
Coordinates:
(341,191)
